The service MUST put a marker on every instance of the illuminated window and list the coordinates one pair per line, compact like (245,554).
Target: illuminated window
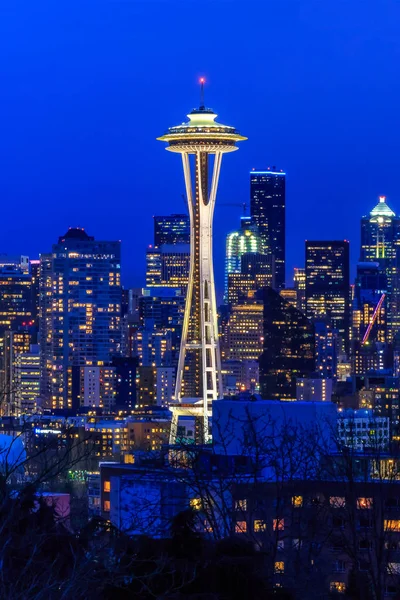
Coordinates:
(337,501)
(240,527)
(107,486)
(260,525)
(279,566)
(278,524)
(391,524)
(195,503)
(297,501)
(364,502)
(106,506)
(241,504)
(337,586)
(393,568)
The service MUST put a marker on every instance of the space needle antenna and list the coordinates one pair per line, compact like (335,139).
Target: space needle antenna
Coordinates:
(202,82)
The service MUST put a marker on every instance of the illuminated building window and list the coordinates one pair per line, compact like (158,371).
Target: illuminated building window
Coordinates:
(240,527)
(337,586)
(241,504)
(107,486)
(337,501)
(391,524)
(393,568)
(106,506)
(207,526)
(364,502)
(196,503)
(278,524)
(297,501)
(279,566)
(259,525)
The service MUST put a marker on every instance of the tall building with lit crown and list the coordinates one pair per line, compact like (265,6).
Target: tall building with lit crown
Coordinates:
(199,379)
(80,313)
(243,241)
(328,286)
(268,209)
(380,243)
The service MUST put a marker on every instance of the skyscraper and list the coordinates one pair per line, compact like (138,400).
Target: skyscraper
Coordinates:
(80,312)
(168,265)
(243,335)
(268,208)
(199,369)
(288,347)
(380,243)
(328,286)
(244,240)
(171,230)
(299,280)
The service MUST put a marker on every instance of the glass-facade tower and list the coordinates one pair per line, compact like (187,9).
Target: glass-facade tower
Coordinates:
(380,241)
(328,286)
(268,209)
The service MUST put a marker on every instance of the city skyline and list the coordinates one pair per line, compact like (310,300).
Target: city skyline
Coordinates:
(70,141)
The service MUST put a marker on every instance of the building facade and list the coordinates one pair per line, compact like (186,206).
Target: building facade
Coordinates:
(288,347)
(171,229)
(268,209)
(328,286)
(80,313)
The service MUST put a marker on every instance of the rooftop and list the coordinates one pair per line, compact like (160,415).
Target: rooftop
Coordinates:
(382,209)
(76,233)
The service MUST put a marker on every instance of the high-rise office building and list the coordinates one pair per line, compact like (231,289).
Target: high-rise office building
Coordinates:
(171,230)
(370,304)
(97,387)
(153,346)
(168,266)
(34,266)
(80,312)
(15,343)
(268,209)
(165,307)
(290,295)
(15,297)
(288,339)
(125,382)
(380,243)
(245,240)
(328,286)
(243,334)
(299,280)
(27,381)
(326,349)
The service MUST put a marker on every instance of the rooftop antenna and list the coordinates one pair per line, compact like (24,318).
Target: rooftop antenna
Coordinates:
(202,82)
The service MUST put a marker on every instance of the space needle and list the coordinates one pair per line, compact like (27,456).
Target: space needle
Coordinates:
(201,142)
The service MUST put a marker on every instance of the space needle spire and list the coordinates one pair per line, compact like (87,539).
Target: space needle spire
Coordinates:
(201,142)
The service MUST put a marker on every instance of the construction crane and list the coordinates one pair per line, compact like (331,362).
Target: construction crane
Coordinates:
(242,205)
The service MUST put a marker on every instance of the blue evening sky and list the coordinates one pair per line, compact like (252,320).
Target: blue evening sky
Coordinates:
(87,86)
